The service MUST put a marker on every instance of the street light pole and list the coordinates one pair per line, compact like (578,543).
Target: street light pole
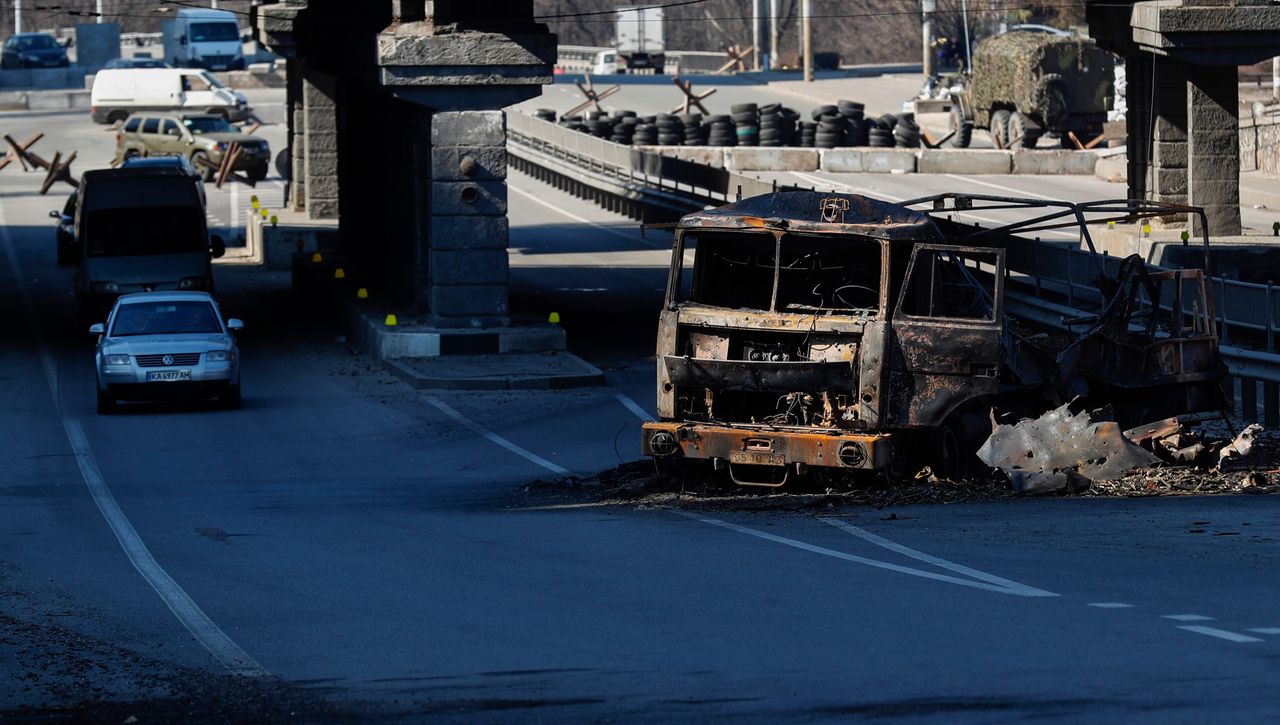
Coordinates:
(17,17)
(928,8)
(755,34)
(806,10)
(773,34)
(99,18)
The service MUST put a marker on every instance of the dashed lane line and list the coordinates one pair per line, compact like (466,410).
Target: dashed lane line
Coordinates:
(1220,633)
(1187,617)
(1012,586)
(634,407)
(865,561)
(1110,605)
(206,632)
(494,438)
(1266,630)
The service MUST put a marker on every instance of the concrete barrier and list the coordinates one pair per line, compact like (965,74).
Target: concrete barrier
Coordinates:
(1054,162)
(1114,169)
(708,155)
(868,160)
(964,161)
(771,159)
(70,100)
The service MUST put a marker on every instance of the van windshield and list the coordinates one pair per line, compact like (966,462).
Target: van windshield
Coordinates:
(148,230)
(214,32)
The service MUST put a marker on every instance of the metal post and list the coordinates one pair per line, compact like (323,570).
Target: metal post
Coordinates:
(100,17)
(17,16)
(773,34)
(806,27)
(968,52)
(928,8)
(755,34)
(1275,77)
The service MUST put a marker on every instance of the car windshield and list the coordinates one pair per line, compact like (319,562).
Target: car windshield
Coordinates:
(214,32)
(33,42)
(210,124)
(132,231)
(165,318)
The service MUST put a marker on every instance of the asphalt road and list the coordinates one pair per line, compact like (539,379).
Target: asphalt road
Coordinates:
(346,548)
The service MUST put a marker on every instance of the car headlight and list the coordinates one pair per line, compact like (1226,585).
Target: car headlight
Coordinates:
(193,283)
(219,147)
(104,288)
(115,360)
(221,356)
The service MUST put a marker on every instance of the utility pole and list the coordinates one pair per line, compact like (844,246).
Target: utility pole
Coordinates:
(17,16)
(755,34)
(773,34)
(928,8)
(99,18)
(1275,78)
(806,51)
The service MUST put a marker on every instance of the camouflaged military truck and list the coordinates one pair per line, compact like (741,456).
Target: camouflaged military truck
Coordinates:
(1026,84)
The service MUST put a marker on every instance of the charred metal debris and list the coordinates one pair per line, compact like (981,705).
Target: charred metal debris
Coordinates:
(820,335)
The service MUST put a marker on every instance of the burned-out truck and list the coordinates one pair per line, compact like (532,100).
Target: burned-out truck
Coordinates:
(832,333)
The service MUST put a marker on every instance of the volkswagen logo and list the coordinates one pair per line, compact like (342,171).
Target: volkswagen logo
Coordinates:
(167,360)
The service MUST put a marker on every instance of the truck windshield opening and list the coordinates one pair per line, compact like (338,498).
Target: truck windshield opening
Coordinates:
(126,232)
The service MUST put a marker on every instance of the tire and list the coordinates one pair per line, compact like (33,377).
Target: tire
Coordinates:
(1052,96)
(231,399)
(963,128)
(258,173)
(282,164)
(200,160)
(117,116)
(1000,128)
(1023,134)
(106,403)
(743,108)
(821,111)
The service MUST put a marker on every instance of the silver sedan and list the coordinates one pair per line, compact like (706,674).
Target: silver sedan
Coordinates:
(159,345)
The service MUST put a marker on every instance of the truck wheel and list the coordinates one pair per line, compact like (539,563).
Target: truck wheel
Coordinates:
(1023,134)
(963,128)
(1000,128)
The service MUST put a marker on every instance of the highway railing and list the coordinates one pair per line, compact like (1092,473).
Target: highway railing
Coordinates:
(1048,277)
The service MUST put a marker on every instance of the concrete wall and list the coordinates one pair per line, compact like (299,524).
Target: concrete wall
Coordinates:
(887,160)
(1260,145)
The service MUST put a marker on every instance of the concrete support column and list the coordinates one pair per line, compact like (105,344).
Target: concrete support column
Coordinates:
(320,161)
(466,253)
(1213,158)
(297,119)
(1157,127)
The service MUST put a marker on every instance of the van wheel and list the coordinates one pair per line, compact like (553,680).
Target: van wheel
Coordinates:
(117,116)
(203,165)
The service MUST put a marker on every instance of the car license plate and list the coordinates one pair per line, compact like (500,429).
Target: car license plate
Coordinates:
(757,459)
(161,376)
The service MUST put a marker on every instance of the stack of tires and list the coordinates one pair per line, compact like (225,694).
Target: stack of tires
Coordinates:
(808,130)
(545,114)
(573,123)
(906,133)
(601,126)
(746,119)
(721,131)
(670,130)
(854,115)
(646,133)
(777,125)
(831,129)
(880,132)
(624,130)
(694,132)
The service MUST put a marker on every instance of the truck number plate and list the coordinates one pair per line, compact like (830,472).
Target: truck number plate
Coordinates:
(757,459)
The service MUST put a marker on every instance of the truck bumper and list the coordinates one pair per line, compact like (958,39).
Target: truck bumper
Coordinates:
(767,447)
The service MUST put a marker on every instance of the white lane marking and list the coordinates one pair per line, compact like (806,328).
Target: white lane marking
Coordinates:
(494,437)
(876,563)
(1010,189)
(575,217)
(1187,617)
(820,182)
(1110,605)
(223,648)
(1220,633)
(1266,630)
(1012,586)
(634,407)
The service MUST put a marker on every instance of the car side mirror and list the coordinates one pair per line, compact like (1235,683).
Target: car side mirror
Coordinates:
(216,246)
(182,40)
(235,325)
(55,214)
(97,329)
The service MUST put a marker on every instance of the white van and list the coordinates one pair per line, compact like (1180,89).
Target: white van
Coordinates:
(198,38)
(117,93)
(606,63)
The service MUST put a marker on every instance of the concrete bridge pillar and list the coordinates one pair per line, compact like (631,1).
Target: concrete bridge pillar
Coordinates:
(319,177)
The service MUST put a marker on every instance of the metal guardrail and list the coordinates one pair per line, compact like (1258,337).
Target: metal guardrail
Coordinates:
(1062,272)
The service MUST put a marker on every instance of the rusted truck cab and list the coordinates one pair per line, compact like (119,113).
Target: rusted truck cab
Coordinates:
(821,331)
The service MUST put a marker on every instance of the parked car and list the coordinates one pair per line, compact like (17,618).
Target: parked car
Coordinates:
(118,92)
(161,345)
(65,232)
(120,63)
(32,50)
(140,230)
(203,139)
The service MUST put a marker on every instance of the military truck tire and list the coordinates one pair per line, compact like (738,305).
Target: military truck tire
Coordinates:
(963,128)
(1022,133)
(1052,96)
(1000,128)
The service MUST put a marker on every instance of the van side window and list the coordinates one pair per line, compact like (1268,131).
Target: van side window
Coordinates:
(132,125)
(151,125)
